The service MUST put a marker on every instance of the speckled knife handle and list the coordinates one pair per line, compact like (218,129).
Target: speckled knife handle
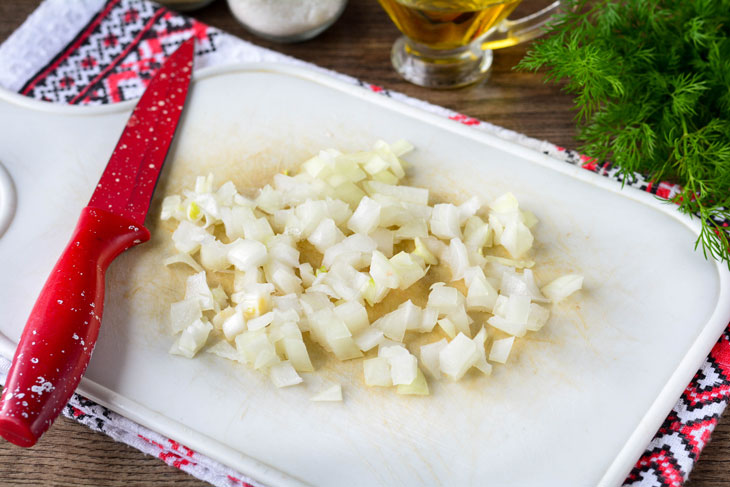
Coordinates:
(60,334)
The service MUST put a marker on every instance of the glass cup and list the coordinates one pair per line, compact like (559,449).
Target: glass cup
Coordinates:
(448,43)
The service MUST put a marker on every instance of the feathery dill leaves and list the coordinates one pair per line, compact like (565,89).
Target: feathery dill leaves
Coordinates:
(651,86)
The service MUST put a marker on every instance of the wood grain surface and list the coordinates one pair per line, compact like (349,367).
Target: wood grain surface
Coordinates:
(357,45)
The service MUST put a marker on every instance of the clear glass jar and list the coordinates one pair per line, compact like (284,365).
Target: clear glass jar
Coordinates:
(287,20)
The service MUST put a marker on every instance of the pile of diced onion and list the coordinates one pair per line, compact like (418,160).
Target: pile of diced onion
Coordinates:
(373,236)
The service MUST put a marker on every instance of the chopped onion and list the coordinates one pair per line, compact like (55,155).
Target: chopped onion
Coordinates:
(194,337)
(171,208)
(430,357)
(369,339)
(481,363)
(419,386)
(403,365)
(408,268)
(460,320)
(354,211)
(333,393)
(444,299)
(537,317)
(284,375)
(354,315)
(445,221)
(377,372)
(183,313)
(477,233)
(424,253)
(510,327)
(500,350)
(458,356)
(447,326)
(392,325)
(562,287)
(366,216)
(225,350)
(196,287)
(516,238)
(247,254)
(412,230)
(384,240)
(429,317)
(183,259)
(296,352)
(469,208)
(188,237)
(325,235)
(383,272)
(234,325)
(458,259)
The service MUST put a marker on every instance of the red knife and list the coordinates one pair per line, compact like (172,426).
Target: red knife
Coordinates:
(61,332)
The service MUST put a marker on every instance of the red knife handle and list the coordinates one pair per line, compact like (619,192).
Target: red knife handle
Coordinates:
(60,334)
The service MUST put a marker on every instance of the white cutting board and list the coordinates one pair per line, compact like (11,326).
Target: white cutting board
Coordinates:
(579,400)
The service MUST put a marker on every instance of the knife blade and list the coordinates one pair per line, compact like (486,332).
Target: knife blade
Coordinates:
(61,331)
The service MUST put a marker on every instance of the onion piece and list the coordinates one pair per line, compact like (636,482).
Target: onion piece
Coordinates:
(333,393)
(538,317)
(419,386)
(284,375)
(196,287)
(445,221)
(423,252)
(429,317)
(562,287)
(354,315)
(296,352)
(403,365)
(458,259)
(325,235)
(247,254)
(187,237)
(369,338)
(409,269)
(183,313)
(392,325)
(447,326)
(383,272)
(516,238)
(510,327)
(225,350)
(444,299)
(469,208)
(384,240)
(430,357)
(234,325)
(458,357)
(366,216)
(481,363)
(193,338)
(172,208)
(407,194)
(500,350)
(183,259)
(377,372)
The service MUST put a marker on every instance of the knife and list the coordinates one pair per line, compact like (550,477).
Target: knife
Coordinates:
(60,334)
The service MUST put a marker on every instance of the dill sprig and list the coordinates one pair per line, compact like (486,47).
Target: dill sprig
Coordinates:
(651,86)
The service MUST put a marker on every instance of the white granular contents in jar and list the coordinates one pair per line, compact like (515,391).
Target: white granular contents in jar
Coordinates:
(284,17)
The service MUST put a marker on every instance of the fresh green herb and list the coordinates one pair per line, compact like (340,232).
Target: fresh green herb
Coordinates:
(651,80)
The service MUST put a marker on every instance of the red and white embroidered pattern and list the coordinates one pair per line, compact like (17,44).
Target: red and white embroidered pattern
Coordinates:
(113,58)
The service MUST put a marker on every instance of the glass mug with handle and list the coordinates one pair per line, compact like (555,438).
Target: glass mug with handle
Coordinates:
(448,43)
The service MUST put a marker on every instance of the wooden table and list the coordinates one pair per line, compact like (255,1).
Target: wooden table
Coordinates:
(358,45)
